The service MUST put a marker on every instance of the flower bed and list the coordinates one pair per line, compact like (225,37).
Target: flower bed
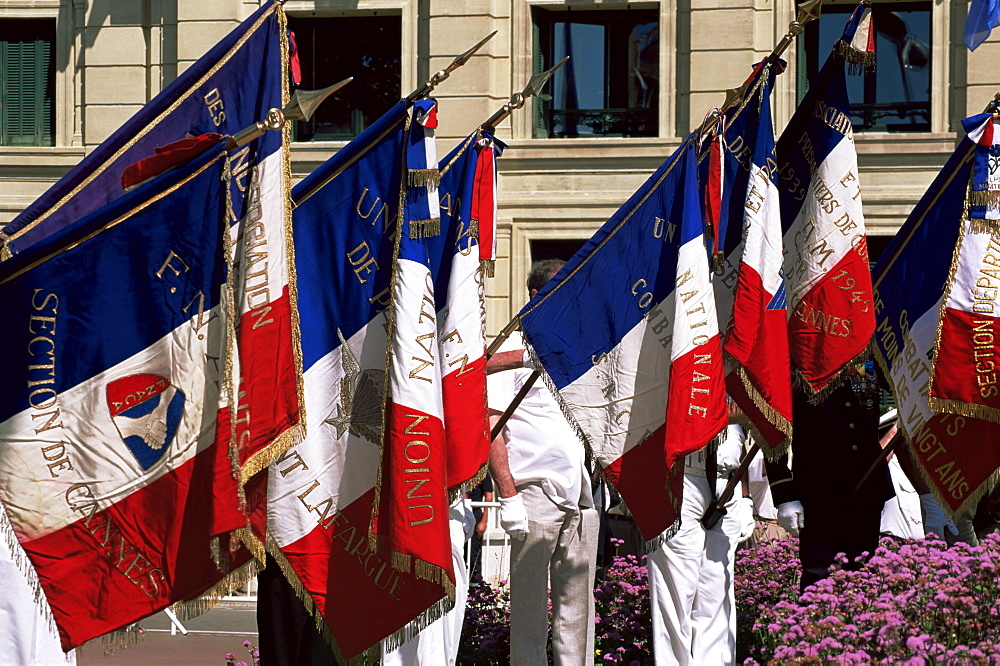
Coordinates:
(913,601)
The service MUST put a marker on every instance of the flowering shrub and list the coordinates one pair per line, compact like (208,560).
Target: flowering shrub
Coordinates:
(913,601)
(254,654)
(486,629)
(621,600)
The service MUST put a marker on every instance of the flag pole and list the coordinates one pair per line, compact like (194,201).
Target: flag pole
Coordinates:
(808,10)
(428,88)
(301,106)
(517,100)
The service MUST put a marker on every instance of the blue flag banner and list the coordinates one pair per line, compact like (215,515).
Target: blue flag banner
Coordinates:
(958,454)
(225,91)
(628,335)
(984,15)
(111,470)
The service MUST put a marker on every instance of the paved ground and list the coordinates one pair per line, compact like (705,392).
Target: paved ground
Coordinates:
(209,638)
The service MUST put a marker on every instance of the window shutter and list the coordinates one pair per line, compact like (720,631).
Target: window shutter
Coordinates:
(26,88)
(540,102)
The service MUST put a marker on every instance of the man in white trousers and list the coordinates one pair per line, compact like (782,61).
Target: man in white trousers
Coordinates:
(691,586)
(27,636)
(546,506)
(437,643)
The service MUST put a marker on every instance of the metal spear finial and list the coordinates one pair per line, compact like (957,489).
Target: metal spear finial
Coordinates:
(301,106)
(428,87)
(517,100)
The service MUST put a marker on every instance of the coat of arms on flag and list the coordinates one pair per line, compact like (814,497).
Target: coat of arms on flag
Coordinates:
(146,410)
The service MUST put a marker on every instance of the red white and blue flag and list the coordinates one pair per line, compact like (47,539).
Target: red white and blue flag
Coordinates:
(966,363)
(628,335)
(830,306)
(749,285)
(321,492)
(410,524)
(935,339)
(111,471)
(468,205)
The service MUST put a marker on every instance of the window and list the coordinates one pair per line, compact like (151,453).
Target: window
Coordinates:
(896,95)
(27,82)
(610,86)
(330,49)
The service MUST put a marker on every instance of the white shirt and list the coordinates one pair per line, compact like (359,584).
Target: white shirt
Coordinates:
(760,490)
(542,447)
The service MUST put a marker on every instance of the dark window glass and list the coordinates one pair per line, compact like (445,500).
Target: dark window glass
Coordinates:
(896,96)
(611,84)
(331,49)
(27,82)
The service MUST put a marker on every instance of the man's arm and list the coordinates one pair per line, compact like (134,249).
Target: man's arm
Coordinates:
(499,463)
(507,360)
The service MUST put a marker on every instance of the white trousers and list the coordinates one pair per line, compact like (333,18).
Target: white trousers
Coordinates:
(901,514)
(691,587)
(26,637)
(437,644)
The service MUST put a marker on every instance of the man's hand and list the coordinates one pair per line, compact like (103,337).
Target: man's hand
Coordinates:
(513,517)
(744,512)
(791,516)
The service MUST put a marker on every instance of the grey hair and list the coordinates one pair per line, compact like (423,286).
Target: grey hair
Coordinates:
(542,271)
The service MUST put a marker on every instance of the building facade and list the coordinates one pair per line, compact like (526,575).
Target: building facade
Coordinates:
(641,76)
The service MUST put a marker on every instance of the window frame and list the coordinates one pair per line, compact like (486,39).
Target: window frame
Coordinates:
(41,103)
(522,60)
(819,53)
(356,120)
(67,86)
(544,20)
(409,28)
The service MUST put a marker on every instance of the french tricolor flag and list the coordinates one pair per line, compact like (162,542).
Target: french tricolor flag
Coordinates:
(966,377)
(110,468)
(628,335)
(936,335)
(321,492)
(831,313)
(756,340)
(411,520)
(468,175)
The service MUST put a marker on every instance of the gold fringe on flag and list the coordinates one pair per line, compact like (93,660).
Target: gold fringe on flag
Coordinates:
(978,225)
(423,177)
(816,397)
(123,638)
(254,545)
(5,253)
(468,485)
(24,566)
(859,61)
(773,417)
(425,228)
(187,610)
(489,267)
(983,197)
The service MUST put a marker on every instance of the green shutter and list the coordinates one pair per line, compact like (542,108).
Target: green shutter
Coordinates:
(26,84)
(541,102)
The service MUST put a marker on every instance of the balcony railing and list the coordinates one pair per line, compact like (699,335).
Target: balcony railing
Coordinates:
(602,122)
